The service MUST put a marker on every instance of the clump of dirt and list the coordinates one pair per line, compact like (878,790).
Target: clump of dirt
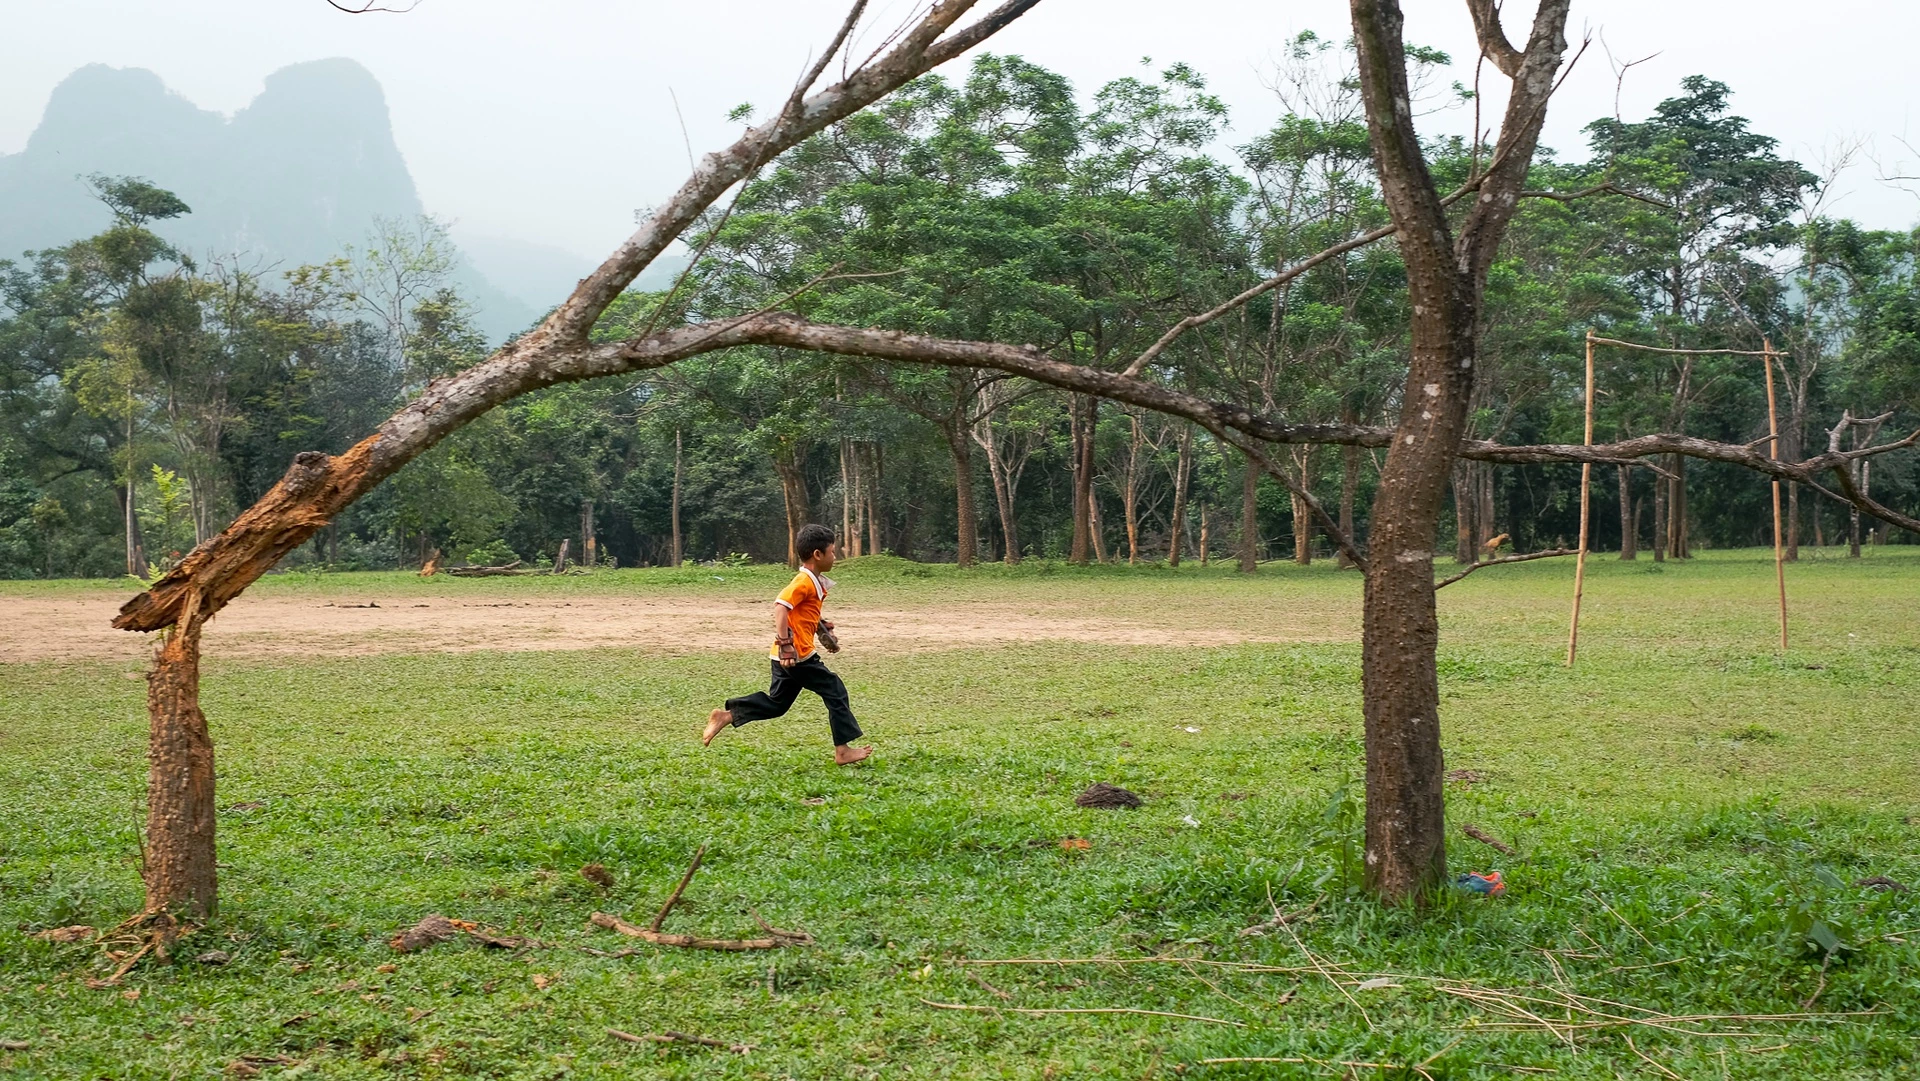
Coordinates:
(1104,796)
(1465,776)
(435,928)
(598,874)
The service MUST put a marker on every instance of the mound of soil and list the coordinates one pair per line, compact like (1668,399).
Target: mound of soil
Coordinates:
(1106,796)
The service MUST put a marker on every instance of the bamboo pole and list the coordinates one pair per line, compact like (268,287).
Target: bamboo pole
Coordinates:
(1773,451)
(1586,499)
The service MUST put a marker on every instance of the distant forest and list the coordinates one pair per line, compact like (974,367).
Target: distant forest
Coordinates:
(147,394)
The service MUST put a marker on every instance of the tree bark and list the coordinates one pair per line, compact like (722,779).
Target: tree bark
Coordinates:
(1484,529)
(1853,522)
(677,473)
(179,854)
(1205,543)
(968,524)
(1003,493)
(1130,494)
(1084,416)
(1302,516)
(846,503)
(1677,530)
(874,546)
(790,463)
(1349,486)
(1183,468)
(1465,504)
(1096,526)
(1661,489)
(1250,519)
(1446,275)
(589,538)
(1629,535)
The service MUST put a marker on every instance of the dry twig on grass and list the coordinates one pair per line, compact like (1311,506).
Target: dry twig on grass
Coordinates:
(671,1036)
(660,917)
(1559,1012)
(1651,1061)
(652,932)
(694,942)
(1279,918)
(1486,838)
(1083,1009)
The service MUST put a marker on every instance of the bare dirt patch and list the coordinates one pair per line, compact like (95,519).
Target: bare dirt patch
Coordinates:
(61,627)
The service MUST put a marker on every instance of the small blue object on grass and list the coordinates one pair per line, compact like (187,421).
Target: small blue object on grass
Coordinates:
(1489,884)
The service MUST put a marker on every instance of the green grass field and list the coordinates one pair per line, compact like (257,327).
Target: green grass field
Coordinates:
(1691,808)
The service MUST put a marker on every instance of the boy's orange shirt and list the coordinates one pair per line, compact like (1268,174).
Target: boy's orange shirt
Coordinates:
(802,599)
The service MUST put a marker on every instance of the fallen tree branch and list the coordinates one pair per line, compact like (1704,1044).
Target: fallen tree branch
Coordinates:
(501,570)
(694,942)
(1547,554)
(1279,918)
(660,917)
(1486,838)
(1083,1009)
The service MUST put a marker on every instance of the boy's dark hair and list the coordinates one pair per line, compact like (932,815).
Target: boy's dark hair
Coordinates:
(811,538)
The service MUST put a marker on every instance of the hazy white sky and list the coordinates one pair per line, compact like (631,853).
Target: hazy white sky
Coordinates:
(551,120)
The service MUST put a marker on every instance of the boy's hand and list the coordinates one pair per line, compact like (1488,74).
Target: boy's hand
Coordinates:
(788,656)
(827,637)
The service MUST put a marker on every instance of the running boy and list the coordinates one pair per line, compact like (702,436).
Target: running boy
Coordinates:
(796,659)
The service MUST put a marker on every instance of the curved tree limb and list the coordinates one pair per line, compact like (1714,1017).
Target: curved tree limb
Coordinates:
(917,51)
(1529,557)
(1493,39)
(317,487)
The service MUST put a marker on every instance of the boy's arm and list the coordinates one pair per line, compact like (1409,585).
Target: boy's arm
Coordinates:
(783,636)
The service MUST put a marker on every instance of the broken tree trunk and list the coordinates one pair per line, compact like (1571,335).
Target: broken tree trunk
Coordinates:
(560,560)
(316,486)
(179,855)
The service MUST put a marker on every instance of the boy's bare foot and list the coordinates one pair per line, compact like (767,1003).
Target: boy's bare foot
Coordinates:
(717,720)
(844,755)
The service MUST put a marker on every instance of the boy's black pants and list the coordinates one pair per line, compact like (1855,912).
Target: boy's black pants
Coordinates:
(811,674)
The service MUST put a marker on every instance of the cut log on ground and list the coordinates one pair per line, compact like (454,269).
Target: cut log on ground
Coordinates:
(489,572)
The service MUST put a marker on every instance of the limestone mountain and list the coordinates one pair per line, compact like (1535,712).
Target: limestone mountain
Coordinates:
(292,178)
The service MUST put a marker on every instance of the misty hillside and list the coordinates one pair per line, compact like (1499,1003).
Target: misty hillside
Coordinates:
(290,179)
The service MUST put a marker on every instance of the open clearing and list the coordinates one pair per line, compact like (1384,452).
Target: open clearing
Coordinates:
(367,614)
(1684,804)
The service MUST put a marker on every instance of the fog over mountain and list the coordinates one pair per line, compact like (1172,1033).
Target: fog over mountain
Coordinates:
(292,178)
